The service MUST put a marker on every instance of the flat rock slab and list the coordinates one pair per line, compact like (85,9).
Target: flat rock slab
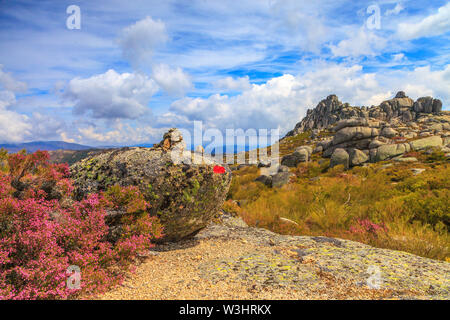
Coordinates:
(232,261)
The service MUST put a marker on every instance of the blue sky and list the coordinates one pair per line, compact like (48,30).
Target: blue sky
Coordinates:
(136,68)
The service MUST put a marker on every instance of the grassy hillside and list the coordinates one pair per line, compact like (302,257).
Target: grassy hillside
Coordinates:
(385,204)
(71,156)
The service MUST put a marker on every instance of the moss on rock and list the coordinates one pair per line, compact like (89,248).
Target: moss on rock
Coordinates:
(185,196)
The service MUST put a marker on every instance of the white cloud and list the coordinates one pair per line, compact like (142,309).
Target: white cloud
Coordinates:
(65,138)
(111,95)
(398,57)
(430,26)
(302,23)
(45,127)
(283,101)
(361,42)
(396,10)
(14,127)
(7,98)
(173,80)
(17,127)
(233,84)
(121,134)
(219,58)
(139,40)
(90,134)
(280,102)
(422,81)
(377,98)
(9,83)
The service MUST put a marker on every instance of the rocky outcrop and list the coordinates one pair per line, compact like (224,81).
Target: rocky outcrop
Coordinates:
(378,133)
(330,111)
(266,180)
(388,151)
(327,112)
(389,132)
(348,134)
(245,262)
(357,157)
(183,194)
(274,176)
(291,160)
(340,157)
(281,178)
(301,154)
(364,143)
(427,105)
(434,141)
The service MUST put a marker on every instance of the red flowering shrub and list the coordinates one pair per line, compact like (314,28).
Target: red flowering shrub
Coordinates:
(40,237)
(367,227)
(32,176)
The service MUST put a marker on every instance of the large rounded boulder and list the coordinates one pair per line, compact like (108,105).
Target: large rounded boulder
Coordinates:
(184,192)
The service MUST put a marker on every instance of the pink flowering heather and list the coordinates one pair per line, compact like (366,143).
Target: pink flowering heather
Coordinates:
(40,238)
(365,226)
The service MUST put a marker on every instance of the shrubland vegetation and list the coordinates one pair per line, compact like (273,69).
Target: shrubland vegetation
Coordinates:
(43,231)
(383,204)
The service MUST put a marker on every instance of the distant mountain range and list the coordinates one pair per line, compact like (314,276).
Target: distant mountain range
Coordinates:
(61,151)
(44,145)
(144,145)
(61,145)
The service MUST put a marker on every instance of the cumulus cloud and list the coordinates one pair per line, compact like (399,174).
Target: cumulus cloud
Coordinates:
(361,42)
(283,101)
(279,102)
(173,80)
(17,127)
(306,27)
(421,81)
(398,57)
(14,127)
(7,98)
(121,134)
(8,82)
(139,40)
(111,95)
(433,25)
(64,137)
(46,127)
(233,84)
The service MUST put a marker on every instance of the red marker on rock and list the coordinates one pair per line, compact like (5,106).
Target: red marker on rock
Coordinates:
(219,169)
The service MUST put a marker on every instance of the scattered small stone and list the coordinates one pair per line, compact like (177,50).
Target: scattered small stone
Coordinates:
(417,171)
(406,159)
(336,242)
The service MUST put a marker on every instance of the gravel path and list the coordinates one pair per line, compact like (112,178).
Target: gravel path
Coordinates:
(229,260)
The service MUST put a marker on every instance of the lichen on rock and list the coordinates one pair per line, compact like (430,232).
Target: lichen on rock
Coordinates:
(184,194)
